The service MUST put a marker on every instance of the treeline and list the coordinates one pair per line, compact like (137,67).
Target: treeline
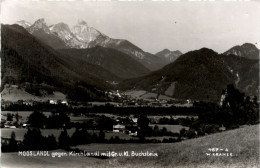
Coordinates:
(237,109)
(55,120)
(173,110)
(39,106)
(109,109)
(179,121)
(34,140)
(60,119)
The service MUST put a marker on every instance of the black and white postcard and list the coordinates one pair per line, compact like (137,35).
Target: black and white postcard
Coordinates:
(129,84)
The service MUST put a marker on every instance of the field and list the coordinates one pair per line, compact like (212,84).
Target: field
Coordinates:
(141,94)
(25,115)
(103,103)
(243,143)
(157,117)
(13,94)
(19,132)
(172,128)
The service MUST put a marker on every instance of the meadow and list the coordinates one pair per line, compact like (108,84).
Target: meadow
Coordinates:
(243,143)
(19,132)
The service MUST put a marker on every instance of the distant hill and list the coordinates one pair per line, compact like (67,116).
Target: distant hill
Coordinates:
(114,61)
(198,75)
(246,50)
(150,61)
(246,72)
(169,55)
(27,59)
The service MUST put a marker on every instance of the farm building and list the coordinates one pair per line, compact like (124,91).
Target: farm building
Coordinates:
(118,128)
(132,130)
(53,102)
(222,128)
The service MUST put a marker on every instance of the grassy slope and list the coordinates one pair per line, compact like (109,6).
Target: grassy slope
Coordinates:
(20,94)
(243,142)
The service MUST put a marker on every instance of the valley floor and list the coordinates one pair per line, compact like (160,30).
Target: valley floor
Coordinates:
(243,143)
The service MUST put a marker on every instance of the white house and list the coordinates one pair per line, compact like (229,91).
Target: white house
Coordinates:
(222,128)
(118,128)
(53,102)
(133,133)
(222,99)
(134,120)
(132,130)
(64,102)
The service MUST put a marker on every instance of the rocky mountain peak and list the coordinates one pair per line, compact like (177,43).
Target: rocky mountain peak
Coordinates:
(60,27)
(62,30)
(85,33)
(40,24)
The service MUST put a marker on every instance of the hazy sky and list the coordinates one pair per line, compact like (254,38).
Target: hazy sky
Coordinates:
(152,26)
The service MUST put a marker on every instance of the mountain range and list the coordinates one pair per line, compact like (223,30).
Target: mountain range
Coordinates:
(200,75)
(84,63)
(60,36)
(25,59)
(115,61)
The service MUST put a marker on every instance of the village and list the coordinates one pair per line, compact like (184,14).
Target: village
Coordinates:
(134,116)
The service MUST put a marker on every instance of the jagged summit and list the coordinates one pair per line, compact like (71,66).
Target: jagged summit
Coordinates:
(40,24)
(85,33)
(84,36)
(62,30)
(60,26)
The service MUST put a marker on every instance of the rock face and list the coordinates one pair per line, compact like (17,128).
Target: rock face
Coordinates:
(40,24)
(246,50)
(41,31)
(84,33)
(62,30)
